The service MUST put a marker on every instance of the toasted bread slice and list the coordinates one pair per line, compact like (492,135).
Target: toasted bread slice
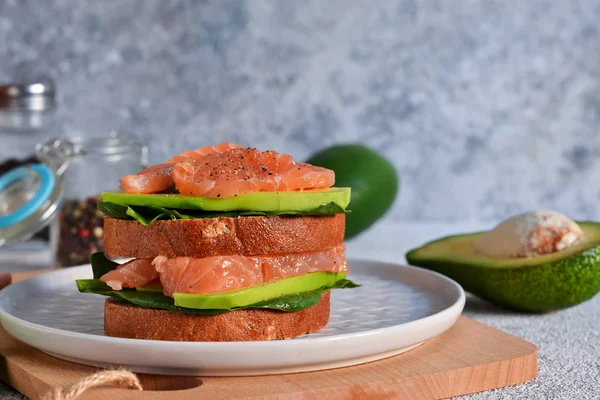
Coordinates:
(129,321)
(206,237)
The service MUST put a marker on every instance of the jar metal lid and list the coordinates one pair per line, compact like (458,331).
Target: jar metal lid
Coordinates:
(30,198)
(35,95)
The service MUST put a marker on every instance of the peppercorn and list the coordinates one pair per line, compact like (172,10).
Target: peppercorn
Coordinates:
(80,232)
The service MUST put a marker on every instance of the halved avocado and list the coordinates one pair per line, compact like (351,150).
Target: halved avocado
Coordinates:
(262,201)
(537,284)
(256,294)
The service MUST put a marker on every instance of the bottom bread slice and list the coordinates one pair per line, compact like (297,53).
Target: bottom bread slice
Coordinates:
(129,321)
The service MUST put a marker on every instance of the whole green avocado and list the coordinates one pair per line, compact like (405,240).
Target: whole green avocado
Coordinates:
(373,179)
(539,284)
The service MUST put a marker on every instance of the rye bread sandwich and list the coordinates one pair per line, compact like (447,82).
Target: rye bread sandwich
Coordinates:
(224,243)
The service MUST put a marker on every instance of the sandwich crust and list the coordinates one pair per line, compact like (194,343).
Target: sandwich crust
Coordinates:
(206,237)
(129,321)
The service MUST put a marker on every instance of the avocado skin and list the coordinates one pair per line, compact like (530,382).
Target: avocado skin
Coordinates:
(373,179)
(540,288)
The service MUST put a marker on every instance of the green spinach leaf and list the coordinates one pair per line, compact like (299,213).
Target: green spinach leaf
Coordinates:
(141,299)
(146,215)
(287,303)
(101,265)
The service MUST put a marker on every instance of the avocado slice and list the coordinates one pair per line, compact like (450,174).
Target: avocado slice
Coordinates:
(261,201)
(256,294)
(537,284)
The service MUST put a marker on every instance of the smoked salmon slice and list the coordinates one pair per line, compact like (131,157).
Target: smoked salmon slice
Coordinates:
(246,170)
(224,273)
(202,151)
(132,274)
(153,179)
(157,178)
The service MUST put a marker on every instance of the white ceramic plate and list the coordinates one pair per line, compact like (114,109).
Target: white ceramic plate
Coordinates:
(396,309)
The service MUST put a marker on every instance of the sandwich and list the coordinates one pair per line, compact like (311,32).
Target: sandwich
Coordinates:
(221,243)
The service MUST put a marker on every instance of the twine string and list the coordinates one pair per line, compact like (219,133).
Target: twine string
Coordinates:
(112,377)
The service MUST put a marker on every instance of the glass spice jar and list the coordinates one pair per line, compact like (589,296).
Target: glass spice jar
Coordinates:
(27,115)
(87,167)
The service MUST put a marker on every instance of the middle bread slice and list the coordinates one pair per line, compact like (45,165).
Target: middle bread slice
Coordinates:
(207,237)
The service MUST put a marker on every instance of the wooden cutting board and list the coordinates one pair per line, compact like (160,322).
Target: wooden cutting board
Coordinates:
(470,357)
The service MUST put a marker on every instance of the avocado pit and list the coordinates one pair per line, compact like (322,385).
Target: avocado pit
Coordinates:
(531,234)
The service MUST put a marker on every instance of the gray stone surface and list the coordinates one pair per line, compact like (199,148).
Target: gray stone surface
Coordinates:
(8,393)
(485,107)
(569,350)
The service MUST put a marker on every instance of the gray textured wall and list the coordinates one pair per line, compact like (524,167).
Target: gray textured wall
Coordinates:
(486,107)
